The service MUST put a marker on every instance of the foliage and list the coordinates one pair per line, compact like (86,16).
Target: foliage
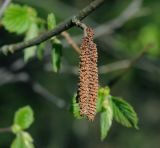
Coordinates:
(110,108)
(56,52)
(18,18)
(23,119)
(124,113)
(106,118)
(24,20)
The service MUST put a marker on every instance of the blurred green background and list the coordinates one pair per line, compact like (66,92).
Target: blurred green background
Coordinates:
(55,126)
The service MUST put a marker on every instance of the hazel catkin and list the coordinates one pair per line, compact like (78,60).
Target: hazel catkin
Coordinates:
(88,85)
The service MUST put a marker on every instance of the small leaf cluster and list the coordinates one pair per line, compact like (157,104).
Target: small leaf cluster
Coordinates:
(23,119)
(56,52)
(109,108)
(24,20)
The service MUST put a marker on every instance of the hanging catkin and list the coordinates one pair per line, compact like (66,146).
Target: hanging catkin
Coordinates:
(93,76)
(84,77)
(88,85)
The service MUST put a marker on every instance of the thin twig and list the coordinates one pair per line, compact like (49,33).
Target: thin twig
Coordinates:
(71,41)
(4,130)
(60,28)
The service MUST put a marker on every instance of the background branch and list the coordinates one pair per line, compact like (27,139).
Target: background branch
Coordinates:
(130,64)
(71,41)
(4,6)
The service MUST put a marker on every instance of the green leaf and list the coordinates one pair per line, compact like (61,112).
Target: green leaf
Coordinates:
(51,21)
(124,113)
(18,142)
(56,54)
(24,117)
(32,33)
(102,94)
(150,34)
(75,109)
(106,118)
(18,18)
(22,140)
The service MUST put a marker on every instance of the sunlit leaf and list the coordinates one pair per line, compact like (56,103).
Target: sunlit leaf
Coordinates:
(22,140)
(18,142)
(24,117)
(18,18)
(124,113)
(106,118)
(102,94)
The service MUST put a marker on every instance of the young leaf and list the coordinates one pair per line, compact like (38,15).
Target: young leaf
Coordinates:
(124,113)
(56,55)
(18,142)
(106,118)
(51,21)
(24,117)
(18,18)
(75,108)
(102,94)
(22,140)
(31,51)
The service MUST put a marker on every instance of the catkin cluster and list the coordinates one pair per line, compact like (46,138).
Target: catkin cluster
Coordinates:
(88,85)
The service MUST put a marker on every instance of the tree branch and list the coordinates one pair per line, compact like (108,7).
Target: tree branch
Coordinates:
(60,28)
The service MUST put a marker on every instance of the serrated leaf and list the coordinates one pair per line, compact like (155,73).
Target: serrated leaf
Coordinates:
(56,55)
(24,117)
(51,21)
(18,18)
(75,109)
(102,94)
(106,118)
(22,140)
(32,33)
(124,113)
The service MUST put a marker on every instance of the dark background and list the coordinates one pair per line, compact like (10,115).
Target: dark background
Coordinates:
(55,127)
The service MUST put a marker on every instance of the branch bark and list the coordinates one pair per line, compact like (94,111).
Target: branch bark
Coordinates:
(60,28)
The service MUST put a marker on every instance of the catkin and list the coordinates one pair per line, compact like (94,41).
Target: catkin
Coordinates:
(88,86)
(84,77)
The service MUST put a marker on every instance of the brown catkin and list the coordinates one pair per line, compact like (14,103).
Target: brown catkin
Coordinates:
(84,77)
(93,76)
(88,85)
